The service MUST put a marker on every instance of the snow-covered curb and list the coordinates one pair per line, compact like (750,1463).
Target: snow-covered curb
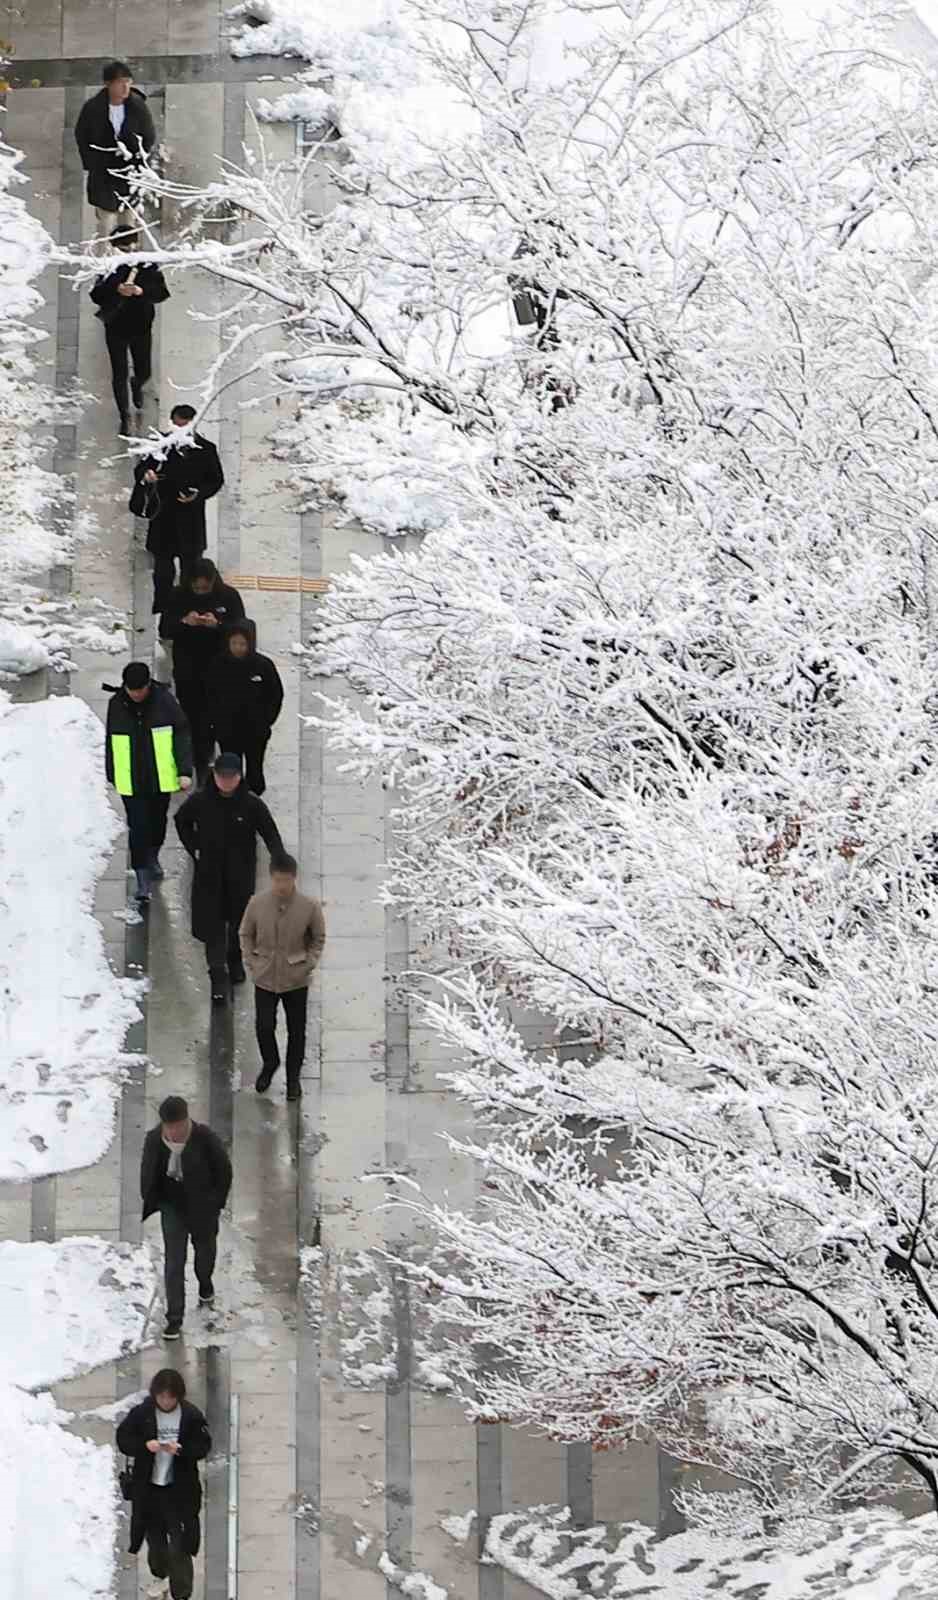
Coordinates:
(65,1014)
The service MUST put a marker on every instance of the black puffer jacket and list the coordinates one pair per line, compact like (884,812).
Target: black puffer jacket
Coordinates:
(245,693)
(195,1442)
(101,156)
(220,833)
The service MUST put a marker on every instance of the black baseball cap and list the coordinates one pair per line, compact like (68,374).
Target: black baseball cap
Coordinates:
(136,675)
(226,765)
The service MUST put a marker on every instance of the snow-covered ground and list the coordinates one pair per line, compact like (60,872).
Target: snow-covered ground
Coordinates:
(65,1307)
(64,1013)
(872,1555)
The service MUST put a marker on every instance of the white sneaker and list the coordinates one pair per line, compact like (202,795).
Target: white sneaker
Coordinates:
(158,1588)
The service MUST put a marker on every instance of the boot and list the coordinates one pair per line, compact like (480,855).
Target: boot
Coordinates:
(218,979)
(293,1089)
(264,1079)
(142,875)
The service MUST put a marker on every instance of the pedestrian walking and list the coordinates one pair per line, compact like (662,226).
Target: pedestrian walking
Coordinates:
(126,298)
(171,493)
(185,1175)
(245,694)
(147,757)
(194,619)
(219,826)
(282,937)
(166,1437)
(114,134)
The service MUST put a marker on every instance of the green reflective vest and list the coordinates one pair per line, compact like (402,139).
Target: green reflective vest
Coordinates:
(167,777)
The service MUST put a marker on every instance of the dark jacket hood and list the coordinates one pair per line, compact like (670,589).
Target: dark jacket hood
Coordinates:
(240,625)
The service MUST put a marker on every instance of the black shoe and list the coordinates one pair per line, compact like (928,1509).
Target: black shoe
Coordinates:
(124,423)
(294,1091)
(136,394)
(236,971)
(206,1295)
(172,1330)
(264,1079)
(219,983)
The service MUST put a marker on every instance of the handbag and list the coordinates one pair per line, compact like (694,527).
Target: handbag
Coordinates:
(144,500)
(125,1479)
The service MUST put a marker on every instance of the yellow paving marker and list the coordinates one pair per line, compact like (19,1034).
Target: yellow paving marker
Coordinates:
(253,580)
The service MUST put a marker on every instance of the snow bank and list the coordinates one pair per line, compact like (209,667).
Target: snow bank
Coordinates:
(66,1307)
(20,651)
(64,1014)
(874,1555)
(57,1507)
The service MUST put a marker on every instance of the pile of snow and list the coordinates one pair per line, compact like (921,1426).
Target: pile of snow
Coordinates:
(873,1555)
(69,1306)
(64,1308)
(34,624)
(418,1584)
(64,1013)
(20,651)
(57,1510)
(31,544)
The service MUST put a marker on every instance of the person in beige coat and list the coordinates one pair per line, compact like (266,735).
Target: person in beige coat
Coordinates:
(282,935)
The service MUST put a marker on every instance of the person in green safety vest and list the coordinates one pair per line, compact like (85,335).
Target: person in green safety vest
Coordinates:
(148,757)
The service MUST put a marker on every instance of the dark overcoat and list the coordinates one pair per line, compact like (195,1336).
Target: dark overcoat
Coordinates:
(102,156)
(206,1174)
(179,530)
(220,833)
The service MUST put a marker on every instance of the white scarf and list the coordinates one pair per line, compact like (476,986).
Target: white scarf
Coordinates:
(174,1169)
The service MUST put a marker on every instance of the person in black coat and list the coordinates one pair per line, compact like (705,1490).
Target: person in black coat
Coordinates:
(125,299)
(114,134)
(245,694)
(185,1175)
(177,488)
(166,1437)
(147,757)
(219,826)
(194,619)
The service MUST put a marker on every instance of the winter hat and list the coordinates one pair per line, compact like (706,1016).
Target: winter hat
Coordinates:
(226,765)
(136,675)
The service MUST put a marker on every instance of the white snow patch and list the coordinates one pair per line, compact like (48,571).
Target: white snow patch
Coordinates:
(414,1583)
(68,1306)
(20,651)
(458,1528)
(115,1410)
(57,1505)
(65,1014)
(871,1555)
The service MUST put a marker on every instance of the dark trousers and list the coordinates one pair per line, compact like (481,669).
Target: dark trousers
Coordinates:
(251,748)
(224,950)
(177,1231)
(164,577)
(146,826)
(119,347)
(165,1537)
(265,1025)
(190,692)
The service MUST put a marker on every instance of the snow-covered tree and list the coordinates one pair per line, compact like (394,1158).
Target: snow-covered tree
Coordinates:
(655,693)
